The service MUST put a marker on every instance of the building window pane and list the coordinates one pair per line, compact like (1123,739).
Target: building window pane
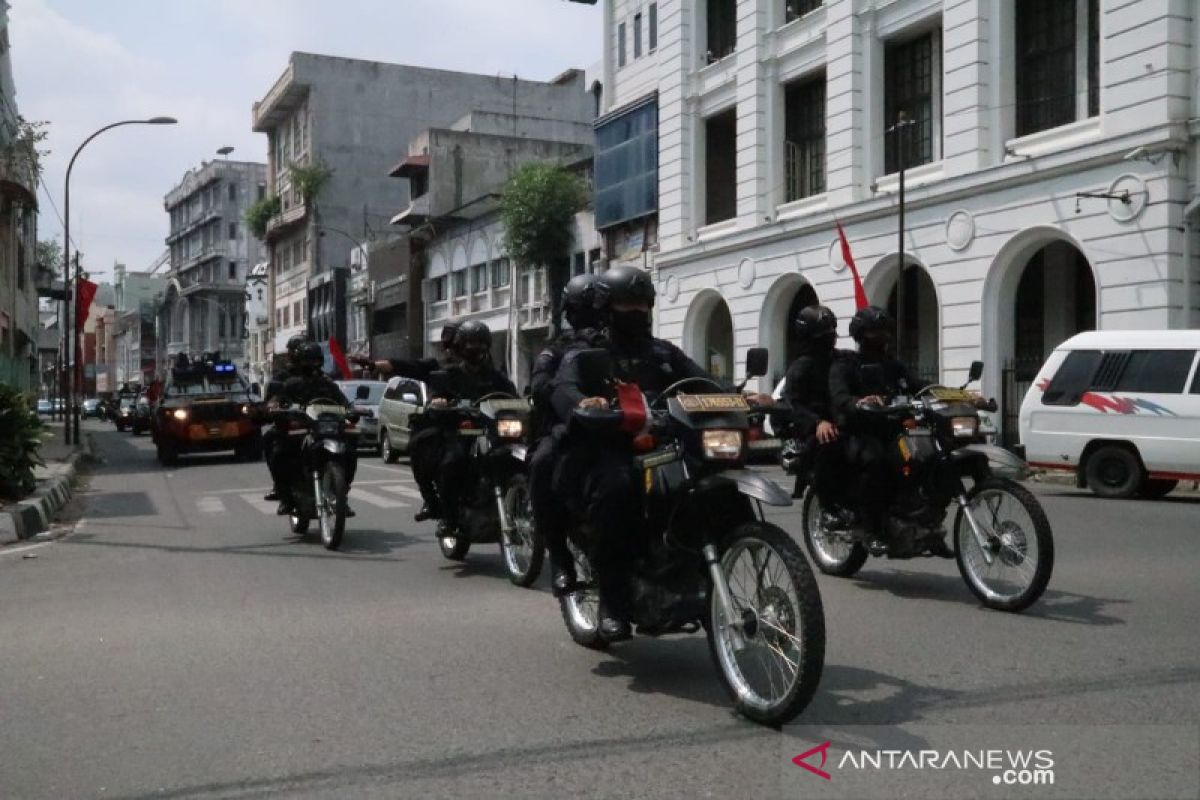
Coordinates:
(795,9)
(653,27)
(626,166)
(1093,58)
(720,167)
(637,35)
(804,138)
(722,29)
(1045,64)
(460,283)
(621,45)
(500,273)
(908,90)
(479,278)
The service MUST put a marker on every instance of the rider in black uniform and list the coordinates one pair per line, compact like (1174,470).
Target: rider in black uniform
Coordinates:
(437,462)
(271,434)
(549,429)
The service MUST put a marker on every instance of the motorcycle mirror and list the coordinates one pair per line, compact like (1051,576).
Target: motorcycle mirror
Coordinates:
(757,359)
(595,366)
(974,374)
(363,392)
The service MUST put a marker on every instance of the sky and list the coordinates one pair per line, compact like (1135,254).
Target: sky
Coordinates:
(81,64)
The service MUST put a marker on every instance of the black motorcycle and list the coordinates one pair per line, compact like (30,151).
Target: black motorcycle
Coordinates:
(705,556)
(326,429)
(1001,537)
(494,505)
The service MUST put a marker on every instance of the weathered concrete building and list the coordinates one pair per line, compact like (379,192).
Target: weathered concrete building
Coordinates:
(212,251)
(354,118)
(1050,155)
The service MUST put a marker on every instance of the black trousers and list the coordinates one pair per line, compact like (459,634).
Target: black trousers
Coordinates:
(873,482)
(425,454)
(549,514)
(282,454)
(439,465)
(831,471)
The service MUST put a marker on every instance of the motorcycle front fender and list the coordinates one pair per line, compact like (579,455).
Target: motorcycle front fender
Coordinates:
(751,484)
(1003,463)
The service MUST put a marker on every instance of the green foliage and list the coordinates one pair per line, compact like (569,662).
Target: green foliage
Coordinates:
(538,213)
(49,254)
(259,214)
(309,179)
(23,151)
(21,435)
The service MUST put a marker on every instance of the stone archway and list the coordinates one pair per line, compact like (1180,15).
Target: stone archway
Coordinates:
(918,323)
(708,334)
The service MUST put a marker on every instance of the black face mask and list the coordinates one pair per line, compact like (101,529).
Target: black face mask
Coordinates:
(474,357)
(632,324)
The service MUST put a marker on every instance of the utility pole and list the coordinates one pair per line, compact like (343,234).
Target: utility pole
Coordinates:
(902,124)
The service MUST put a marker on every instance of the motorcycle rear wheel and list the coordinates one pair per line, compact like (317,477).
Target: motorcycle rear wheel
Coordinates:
(840,559)
(773,675)
(524,549)
(1018,538)
(581,608)
(331,506)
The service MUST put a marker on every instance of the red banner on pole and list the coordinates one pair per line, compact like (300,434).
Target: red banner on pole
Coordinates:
(339,359)
(860,294)
(85,292)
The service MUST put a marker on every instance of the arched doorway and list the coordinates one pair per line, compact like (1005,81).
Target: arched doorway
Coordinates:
(1045,294)
(787,295)
(805,297)
(708,334)
(914,306)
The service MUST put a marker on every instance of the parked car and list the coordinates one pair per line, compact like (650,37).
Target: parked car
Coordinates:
(91,408)
(367,407)
(1120,409)
(402,398)
(44,406)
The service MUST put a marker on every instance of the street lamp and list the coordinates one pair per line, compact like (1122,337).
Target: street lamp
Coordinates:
(71,421)
(357,244)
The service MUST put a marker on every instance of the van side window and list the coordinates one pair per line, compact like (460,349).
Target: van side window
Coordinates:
(1196,383)
(392,392)
(1073,378)
(1112,366)
(1156,371)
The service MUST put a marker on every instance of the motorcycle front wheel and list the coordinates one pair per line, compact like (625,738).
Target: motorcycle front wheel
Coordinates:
(331,505)
(581,608)
(830,551)
(1017,539)
(771,653)
(523,548)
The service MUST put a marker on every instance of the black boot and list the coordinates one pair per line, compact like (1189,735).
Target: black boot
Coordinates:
(272,495)
(613,617)
(429,510)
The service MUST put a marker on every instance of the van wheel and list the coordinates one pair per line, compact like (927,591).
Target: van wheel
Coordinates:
(386,451)
(1157,488)
(1114,471)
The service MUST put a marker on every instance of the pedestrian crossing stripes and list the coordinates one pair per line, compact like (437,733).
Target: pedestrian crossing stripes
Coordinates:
(381,494)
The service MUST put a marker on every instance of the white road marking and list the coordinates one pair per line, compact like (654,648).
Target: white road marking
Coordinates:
(402,490)
(265,506)
(8,551)
(211,505)
(357,494)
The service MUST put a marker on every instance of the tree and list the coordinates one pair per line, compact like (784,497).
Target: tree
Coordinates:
(49,254)
(537,212)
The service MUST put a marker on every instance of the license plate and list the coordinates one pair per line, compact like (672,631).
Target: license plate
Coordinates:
(470,432)
(948,394)
(712,403)
(765,444)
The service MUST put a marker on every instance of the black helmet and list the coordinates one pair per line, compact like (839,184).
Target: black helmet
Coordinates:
(871,318)
(578,301)
(472,332)
(623,285)
(311,355)
(295,344)
(448,332)
(815,322)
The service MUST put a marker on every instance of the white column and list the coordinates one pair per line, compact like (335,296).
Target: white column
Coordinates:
(753,106)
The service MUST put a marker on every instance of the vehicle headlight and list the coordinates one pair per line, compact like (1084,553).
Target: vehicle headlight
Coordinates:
(964,427)
(180,414)
(125,412)
(329,427)
(722,444)
(246,410)
(510,428)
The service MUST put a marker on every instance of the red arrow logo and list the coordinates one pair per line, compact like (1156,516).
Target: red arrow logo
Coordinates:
(799,760)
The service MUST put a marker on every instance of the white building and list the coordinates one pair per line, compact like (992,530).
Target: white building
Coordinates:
(256,368)
(772,119)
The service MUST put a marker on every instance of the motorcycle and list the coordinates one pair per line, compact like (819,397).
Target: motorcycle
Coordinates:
(705,556)
(1002,541)
(495,503)
(319,492)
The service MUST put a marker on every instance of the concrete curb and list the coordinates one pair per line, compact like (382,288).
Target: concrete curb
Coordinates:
(31,516)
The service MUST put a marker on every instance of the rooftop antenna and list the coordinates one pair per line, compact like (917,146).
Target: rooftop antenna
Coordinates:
(224,151)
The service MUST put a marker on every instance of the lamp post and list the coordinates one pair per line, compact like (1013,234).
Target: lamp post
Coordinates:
(71,420)
(902,123)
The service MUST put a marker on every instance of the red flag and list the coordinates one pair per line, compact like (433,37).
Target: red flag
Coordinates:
(339,359)
(85,292)
(860,294)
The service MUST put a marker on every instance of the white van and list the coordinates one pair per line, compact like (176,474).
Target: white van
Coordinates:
(1121,409)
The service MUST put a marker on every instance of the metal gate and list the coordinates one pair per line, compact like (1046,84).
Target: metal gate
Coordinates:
(1016,378)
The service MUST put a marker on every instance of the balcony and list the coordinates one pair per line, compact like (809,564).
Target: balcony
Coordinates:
(203,218)
(17,178)
(282,223)
(282,98)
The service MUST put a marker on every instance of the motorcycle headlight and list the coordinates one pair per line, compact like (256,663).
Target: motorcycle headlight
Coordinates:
(180,414)
(724,445)
(964,427)
(329,427)
(510,428)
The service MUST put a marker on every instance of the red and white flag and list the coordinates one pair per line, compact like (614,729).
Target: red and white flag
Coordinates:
(860,294)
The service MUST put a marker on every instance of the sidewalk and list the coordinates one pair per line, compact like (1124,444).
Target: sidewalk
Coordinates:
(55,482)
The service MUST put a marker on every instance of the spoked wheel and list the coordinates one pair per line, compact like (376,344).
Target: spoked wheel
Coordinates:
(581,608)
(453,544)
(299,524)
(833,551)
(331,507)
(1012,568)
(523,549)
(770,655)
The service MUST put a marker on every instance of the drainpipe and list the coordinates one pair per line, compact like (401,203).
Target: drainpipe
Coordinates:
(1189,284)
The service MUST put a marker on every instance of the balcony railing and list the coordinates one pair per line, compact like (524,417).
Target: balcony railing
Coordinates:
(281,222)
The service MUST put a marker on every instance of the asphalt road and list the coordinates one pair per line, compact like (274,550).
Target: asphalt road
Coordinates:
(182,643)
